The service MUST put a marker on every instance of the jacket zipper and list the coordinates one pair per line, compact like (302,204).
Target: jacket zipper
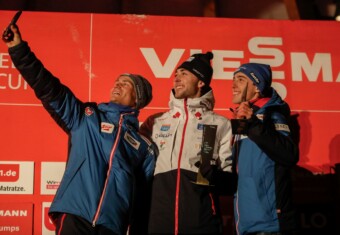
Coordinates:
(213,208)
(179,167)
(113,150)
(236,146)
(238,215)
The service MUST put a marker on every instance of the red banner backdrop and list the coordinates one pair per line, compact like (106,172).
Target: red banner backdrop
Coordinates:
(88,51)
(16,218)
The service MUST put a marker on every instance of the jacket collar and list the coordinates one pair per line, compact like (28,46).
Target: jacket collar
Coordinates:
(113,112)
(206,102)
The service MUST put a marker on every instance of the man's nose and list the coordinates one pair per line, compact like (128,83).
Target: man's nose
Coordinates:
(177,78)
(118,84)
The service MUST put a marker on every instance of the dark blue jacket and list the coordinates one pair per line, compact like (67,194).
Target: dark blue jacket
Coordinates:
(108,163)
(263,201)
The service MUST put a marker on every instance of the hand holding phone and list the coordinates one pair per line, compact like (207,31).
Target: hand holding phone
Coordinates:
(8,34)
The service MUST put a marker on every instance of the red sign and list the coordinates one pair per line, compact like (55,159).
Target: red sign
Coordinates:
(47,223)
(9,172)
(16,219)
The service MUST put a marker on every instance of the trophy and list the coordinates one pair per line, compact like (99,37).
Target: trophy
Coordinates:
(206,162)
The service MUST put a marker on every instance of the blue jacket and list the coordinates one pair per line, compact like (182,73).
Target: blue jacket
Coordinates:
(264,157)
(108,163)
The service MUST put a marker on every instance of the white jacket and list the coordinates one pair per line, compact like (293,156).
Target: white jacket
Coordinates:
(176,201)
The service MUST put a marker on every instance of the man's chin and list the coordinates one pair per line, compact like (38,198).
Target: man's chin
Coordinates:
(178,95)
(236,101)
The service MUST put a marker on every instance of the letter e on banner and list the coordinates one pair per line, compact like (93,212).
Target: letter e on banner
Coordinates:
(9,172)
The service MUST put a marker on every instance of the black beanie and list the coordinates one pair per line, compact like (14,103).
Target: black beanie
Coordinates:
(199,65)
(143,90)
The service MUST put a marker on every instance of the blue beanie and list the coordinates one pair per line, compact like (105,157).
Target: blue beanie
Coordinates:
(260,74)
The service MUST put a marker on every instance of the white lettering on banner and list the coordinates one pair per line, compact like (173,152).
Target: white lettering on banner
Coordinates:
(321,62)
(13,213)
(267,47)
(10,229)
(221,57)
(8,173)
(256,46)
(280,88)
(5,61)
(162,71)
(7,81)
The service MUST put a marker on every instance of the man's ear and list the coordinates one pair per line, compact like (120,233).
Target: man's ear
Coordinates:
(257,89)
(200,84)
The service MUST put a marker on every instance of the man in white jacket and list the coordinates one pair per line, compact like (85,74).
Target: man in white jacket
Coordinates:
(194,144)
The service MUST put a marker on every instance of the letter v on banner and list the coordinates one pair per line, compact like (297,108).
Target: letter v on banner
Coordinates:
(162,70)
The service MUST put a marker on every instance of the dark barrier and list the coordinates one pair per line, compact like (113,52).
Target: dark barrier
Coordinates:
(316,197)
(316,200)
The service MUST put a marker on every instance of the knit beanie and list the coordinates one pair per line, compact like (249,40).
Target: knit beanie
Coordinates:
(143,90)
(199,65)
(260,74)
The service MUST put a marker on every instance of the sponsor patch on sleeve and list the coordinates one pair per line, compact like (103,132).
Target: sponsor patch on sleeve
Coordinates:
(259,116)
(132,141)
(282,127)
(146,139)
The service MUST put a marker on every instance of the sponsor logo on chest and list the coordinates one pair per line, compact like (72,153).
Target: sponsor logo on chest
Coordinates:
(107,127)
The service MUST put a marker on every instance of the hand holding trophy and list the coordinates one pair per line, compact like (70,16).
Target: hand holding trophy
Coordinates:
(207,163)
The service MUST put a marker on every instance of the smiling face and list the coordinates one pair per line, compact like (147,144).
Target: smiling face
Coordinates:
(123,92)
(243,89)
(186,84)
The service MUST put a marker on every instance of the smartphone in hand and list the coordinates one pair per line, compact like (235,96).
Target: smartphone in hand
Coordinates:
(8,35)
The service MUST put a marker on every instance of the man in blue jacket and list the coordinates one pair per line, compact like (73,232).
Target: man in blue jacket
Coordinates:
(263,154)
(109,163)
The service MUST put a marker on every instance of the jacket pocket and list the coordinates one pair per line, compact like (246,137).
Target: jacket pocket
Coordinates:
(70,172)
(252,201)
